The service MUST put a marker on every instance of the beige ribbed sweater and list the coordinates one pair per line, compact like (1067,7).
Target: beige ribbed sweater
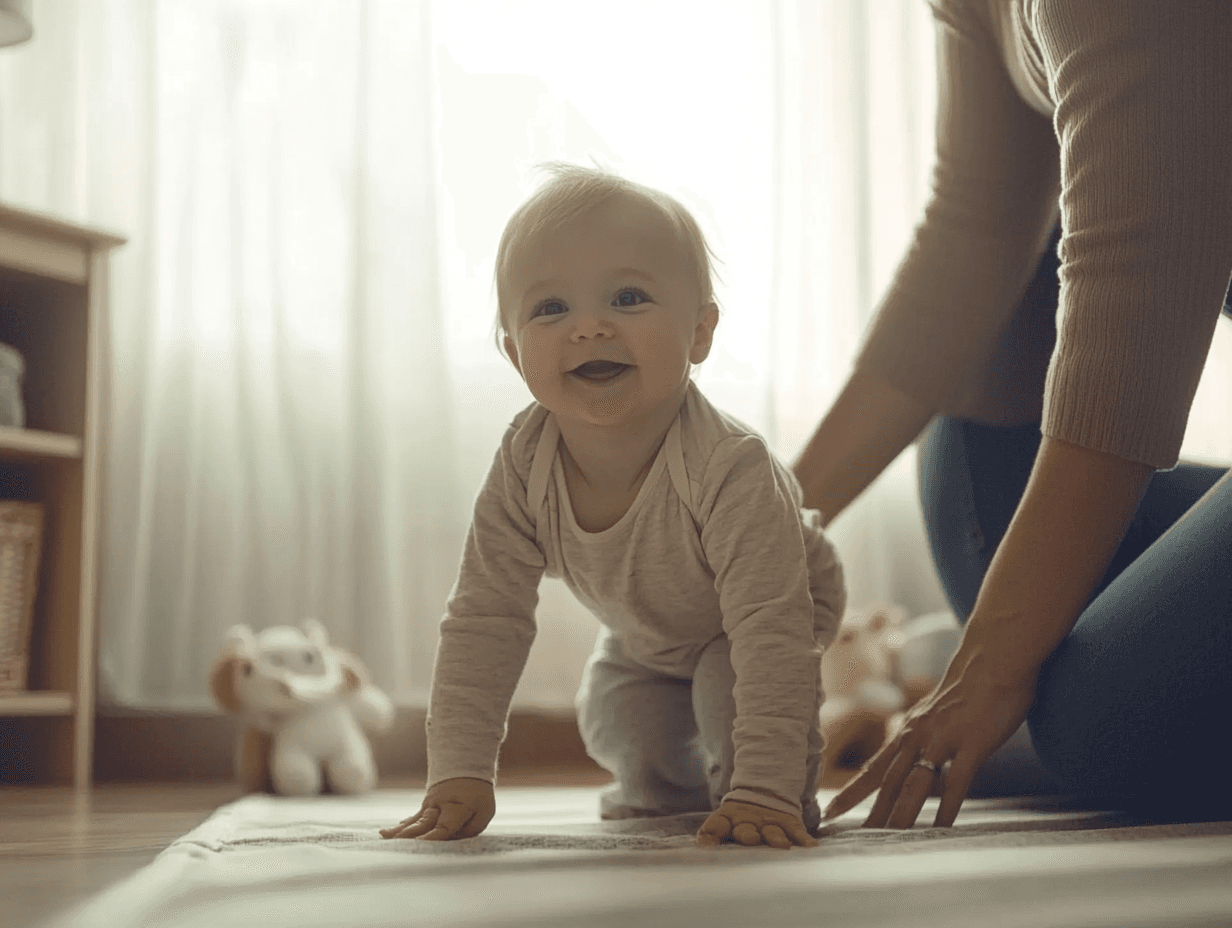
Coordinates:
(1120,115)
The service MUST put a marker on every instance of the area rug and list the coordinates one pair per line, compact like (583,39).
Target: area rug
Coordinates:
(547,861)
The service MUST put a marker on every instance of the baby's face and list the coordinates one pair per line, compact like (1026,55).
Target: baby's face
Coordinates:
(605,315)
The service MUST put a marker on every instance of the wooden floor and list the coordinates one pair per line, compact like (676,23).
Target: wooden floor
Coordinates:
(57,850)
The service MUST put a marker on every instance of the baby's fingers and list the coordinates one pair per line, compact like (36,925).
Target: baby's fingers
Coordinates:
(746,833)
(452,821)
(714,831)
(413,826)
(797,834)
(774,836)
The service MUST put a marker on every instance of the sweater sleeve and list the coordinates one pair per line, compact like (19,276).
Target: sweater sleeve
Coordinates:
(753,542)
(488,628)
(1143,96)
(992,204)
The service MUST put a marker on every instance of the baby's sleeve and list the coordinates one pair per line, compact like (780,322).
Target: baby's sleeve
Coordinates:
(754,544)
(488,627)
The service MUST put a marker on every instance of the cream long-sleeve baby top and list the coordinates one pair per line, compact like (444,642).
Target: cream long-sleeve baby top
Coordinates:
(1115,115)
(715,543)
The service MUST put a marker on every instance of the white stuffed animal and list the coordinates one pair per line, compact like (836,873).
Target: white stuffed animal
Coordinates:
(880,665)
(859,679)
(303,705)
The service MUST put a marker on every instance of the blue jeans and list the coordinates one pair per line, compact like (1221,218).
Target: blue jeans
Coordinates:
(1133,707)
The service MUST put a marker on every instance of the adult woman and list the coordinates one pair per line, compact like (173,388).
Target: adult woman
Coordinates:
(1104,606)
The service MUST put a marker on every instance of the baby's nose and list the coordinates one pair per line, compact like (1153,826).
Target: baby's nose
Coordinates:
(593,324)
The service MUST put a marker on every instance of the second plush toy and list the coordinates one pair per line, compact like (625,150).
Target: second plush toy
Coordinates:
(303,707)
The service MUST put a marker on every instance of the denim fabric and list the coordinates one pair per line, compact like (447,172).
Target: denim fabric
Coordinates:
(1133,706)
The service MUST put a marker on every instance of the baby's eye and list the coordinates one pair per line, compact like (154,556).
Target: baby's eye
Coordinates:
(630,297)
(550,308)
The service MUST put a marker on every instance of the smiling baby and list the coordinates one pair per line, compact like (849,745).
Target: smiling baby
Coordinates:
(671,521)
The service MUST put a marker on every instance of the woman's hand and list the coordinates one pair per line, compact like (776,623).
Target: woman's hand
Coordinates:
(969,714)
(456,808)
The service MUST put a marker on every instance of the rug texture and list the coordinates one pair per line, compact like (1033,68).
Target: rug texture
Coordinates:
(547,861)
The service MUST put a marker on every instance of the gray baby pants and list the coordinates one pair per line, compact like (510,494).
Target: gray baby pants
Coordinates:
(666,740)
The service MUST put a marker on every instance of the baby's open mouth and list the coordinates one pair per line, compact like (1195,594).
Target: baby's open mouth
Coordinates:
(600,370)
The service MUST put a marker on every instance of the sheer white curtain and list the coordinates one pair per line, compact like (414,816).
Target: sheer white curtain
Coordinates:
(304,395)
(281,436)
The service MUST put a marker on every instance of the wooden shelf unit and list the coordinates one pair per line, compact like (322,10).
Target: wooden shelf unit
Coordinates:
(53,309)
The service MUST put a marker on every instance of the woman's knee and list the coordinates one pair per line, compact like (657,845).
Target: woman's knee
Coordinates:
(1115,739)
(1129,703)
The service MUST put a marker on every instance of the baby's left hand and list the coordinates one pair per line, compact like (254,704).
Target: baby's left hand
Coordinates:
(751,825)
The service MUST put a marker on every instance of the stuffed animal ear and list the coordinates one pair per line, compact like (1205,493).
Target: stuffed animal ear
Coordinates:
(222,680)
(354,673)
(316,633)
(242,642)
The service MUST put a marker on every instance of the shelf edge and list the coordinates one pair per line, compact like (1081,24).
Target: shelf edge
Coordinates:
(36,442)
(34,702)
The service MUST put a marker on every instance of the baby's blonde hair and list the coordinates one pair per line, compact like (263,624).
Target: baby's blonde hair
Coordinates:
(570,191)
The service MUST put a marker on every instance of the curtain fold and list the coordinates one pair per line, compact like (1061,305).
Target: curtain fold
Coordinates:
(302,392)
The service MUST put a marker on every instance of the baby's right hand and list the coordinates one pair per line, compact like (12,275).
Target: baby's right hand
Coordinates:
(457,808)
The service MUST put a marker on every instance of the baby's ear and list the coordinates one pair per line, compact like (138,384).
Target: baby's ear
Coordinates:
(511,349)
(703,335)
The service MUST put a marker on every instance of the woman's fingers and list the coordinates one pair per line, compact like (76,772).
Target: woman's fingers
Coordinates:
(915,789)
(957,784)
(891,784)
(864,783)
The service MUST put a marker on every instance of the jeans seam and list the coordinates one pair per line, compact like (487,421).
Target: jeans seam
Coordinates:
(971,515)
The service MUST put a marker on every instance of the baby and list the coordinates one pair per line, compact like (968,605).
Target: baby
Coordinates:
(672,522)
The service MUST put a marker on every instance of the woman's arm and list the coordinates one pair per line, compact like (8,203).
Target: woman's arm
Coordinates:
(1074,512)
(938,326)
(868,426)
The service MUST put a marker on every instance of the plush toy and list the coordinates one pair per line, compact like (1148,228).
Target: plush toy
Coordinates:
(303,706)
(928,643)
(879,666)
(859,679)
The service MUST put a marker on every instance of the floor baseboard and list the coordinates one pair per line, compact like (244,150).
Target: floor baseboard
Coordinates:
(199,748)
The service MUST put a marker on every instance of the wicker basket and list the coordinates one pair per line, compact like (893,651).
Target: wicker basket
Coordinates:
(21,542)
